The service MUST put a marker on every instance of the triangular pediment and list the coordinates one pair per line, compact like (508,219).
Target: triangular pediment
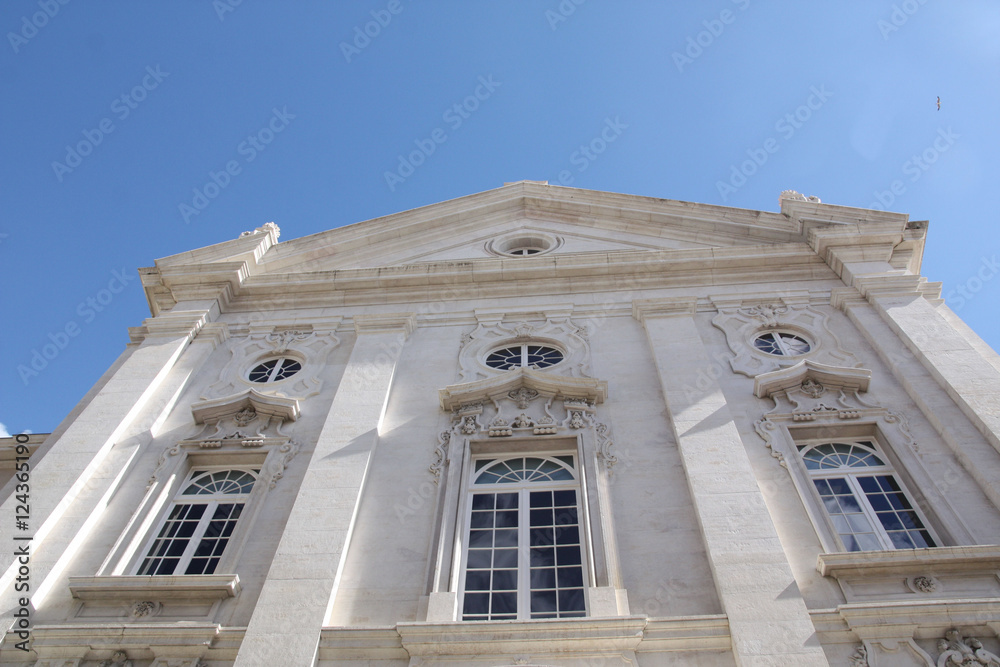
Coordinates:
(571,221)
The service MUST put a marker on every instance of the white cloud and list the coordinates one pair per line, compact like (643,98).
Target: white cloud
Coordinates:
(3,431)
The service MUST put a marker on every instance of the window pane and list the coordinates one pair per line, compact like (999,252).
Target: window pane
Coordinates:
(542,556)
(477,581)
(571,600)
(504,558)
(543,578)
(479,558)
(505,580)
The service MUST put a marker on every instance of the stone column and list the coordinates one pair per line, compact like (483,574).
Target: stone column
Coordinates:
(302,582)
(67,486)
(768,619)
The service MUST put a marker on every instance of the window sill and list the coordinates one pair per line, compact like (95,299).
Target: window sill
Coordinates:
(188,587)
(903,561)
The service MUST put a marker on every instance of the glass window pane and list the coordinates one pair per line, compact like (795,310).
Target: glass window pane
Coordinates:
(542,556)
(570,577)
(505,580)
(543,578)
(476,603)
(505,538)
(504,603)
(568,556)
(477,580)
(505,558)
(483,501)
(480,558)
(543,601)
(571,600)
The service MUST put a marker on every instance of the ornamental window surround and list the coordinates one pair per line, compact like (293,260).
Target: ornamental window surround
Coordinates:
(523,556)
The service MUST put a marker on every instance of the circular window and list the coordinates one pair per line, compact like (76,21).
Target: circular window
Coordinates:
(524,356)
(781,343)
(274,370)
(523,245)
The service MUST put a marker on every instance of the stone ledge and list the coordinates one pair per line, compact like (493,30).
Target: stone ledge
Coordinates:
(185,587)
(901,561)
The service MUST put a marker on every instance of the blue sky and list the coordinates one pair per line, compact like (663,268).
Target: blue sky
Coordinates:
(117,115)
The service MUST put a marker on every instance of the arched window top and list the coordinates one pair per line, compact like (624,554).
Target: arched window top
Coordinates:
(224,482)
(525,469)
(835,455)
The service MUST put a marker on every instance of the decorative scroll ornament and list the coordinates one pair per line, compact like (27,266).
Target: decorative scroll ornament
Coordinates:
(440,455)
(277,461)
(766,312)
(280,340)
(957,651)
(144,608)
(604,445)
(860,657)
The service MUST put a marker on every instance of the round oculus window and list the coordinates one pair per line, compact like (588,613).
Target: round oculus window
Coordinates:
(781,344)
(523,245)
(274,370)
(523,356)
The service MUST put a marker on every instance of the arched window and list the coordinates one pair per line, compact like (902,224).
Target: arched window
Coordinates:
(781,344)
(523,557)
(200,522)
(869,508)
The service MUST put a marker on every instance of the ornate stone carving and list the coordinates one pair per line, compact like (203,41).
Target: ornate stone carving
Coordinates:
(161,463)
(957,651)
(245,416)
(523,421)
(263,229)
(117,659)
(604,445)
(469,425)
(280,340)
(860,657)
(492,333)
(440,455)
(576,419)
(522,397)
(765,429)
(797,196)
(277,461)
(144,608)
(923,584)
(499,428)
(742,323)
(812,388)
(766,312)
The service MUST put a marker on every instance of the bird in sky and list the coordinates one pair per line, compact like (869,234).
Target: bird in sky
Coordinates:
(939,103)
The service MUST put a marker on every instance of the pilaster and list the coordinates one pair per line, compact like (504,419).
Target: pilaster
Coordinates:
(70,486)
(768,619)
(302,582)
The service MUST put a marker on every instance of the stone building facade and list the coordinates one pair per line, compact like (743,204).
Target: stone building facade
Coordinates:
(531,426)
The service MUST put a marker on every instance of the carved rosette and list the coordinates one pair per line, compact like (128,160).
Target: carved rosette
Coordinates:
(743,322)
(559,331)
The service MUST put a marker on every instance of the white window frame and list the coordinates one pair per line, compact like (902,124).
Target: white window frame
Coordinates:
(783,350)
(212,502)
(524,354)
(524,489)
(851,476)
(282,361)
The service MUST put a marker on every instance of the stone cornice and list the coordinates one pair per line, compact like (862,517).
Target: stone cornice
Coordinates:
(908,561)
(211,411)
(589,389)
(848,379)
(186,587)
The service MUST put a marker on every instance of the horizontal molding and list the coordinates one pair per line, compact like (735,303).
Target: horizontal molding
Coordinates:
(184,587)
(910,561)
